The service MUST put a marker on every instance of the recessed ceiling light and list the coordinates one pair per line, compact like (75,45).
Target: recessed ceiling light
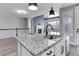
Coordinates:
(32,6)
(21,12)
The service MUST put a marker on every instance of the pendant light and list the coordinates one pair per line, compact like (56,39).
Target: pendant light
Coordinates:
(51,12)
(32,6)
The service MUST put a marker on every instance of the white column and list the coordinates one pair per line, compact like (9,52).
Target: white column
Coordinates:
(29,24)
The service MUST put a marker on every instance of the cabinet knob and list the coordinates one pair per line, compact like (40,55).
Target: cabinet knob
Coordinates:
(77,30)
(53,55)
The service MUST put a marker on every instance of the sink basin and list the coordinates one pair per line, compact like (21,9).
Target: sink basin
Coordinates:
(52,37)
(51,41)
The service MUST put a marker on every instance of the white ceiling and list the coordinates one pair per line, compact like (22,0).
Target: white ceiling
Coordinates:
(9,9)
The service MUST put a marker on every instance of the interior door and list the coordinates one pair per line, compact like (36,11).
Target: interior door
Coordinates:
(68,29)
(68,25)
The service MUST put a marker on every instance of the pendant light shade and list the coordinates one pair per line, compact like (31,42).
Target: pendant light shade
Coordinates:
(51,12)
(32,6)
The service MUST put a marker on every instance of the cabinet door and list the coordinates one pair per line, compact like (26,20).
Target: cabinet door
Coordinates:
(19,49)
(59,51)
(57,45)
(59,48)
(62,50)
(49,52)
(25,52)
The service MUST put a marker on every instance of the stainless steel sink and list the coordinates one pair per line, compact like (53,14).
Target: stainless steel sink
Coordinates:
(50,42)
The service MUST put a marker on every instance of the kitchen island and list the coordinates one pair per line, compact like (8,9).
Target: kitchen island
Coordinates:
(37,45)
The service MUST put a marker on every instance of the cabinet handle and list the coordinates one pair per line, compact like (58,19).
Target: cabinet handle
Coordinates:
(77,30)
(53,55)
(62,49)
(49,53)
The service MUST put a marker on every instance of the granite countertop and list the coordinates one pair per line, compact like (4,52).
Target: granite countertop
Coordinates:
(36,44)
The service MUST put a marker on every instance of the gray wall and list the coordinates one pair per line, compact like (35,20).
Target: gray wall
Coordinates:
(37,21)
(11,22)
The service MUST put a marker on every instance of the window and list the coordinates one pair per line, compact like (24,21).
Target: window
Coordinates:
(53,23)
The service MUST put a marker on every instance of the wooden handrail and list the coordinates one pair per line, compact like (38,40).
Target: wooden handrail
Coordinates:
(16,29)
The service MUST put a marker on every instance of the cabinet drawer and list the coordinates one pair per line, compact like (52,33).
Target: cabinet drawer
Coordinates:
(49,52)
(59,44)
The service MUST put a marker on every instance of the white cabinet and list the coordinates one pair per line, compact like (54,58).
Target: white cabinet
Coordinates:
(59,48)
(25,52)
(49,52)
(22,51)
(56,50)
(57,45)
(59,51)
(19,49)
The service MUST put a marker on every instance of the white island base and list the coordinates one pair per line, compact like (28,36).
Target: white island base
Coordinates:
(26,48)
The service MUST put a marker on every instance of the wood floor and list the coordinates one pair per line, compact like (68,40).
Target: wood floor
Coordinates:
(74,50)
(8,47)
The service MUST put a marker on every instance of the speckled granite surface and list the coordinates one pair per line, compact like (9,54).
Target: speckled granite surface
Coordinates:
(36,43)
